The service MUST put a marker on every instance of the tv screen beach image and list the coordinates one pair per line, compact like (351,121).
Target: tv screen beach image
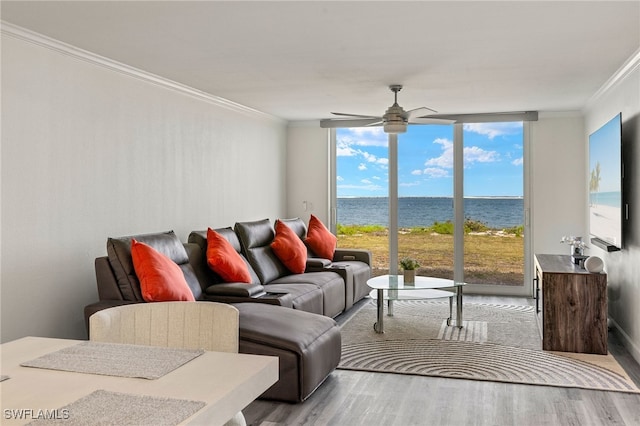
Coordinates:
(605,183)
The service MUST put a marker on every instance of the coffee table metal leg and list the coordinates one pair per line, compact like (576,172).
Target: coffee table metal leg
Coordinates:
(450,310)
(459,307)
(379,325)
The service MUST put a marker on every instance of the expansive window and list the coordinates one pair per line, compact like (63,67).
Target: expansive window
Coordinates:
(491,202)
(362,192)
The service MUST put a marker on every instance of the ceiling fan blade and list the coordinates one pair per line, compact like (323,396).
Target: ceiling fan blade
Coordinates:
(431,120)
(490,117)
(355,115)
(419,112)
(362,122)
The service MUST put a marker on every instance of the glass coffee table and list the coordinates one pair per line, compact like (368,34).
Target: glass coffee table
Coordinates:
(392,287)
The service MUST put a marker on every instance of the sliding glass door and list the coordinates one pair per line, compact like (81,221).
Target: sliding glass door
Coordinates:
(425,199)
(494,237)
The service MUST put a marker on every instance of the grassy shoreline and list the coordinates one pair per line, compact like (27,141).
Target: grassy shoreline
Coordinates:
(492,256)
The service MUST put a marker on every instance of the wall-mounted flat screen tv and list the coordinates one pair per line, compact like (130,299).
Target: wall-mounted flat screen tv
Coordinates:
(605,185)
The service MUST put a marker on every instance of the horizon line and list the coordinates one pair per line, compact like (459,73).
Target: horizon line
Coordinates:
(437,196)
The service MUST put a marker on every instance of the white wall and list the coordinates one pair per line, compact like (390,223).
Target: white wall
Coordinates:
(308,168)
(557,181)
(89,152)
(622,95)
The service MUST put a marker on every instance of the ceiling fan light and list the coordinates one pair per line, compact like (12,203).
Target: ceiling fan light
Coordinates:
(395,128)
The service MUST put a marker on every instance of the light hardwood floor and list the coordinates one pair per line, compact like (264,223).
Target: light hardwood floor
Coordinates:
(362,398)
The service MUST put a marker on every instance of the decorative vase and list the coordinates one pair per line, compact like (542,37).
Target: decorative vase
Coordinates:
(409,276)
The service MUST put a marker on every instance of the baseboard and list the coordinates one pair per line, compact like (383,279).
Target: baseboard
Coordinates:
(633,349)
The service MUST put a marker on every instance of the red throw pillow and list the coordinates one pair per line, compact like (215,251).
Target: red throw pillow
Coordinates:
(161,279)
(320,240)
(289,248)
(224,260)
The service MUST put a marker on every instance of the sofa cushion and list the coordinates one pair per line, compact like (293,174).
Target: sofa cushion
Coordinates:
(319,239)
(303,297)
(256,238)
(289,248)
(167,243)
(206,275)
(330,283)
(225,260)
(297,225)
(161,279)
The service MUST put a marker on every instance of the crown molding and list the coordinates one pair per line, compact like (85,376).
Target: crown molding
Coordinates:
(560,114)
(77,53)
(304,123)
(625,70)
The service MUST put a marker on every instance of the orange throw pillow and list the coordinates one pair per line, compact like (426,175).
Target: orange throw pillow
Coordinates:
(320,240)
(289,248)
(161,279)
(224,260)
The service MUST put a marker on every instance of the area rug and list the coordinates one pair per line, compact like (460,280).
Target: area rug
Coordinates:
(497,343)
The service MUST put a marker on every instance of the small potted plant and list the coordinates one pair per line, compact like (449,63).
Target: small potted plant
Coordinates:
(409,267)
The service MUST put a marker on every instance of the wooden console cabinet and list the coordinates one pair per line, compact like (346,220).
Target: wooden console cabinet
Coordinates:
(571,306)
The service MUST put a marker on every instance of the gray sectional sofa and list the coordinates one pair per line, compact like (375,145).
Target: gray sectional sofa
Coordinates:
(281,314)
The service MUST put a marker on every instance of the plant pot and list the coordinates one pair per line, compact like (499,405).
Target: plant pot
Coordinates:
(409,276)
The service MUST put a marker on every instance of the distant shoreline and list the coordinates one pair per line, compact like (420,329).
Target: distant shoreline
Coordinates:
(489,197)
(495,212)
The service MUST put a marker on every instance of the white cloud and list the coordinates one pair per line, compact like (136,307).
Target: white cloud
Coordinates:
(435,172)
(472,154)
(370,187)
(366,181)
(339,178)
(345,150)
(376,177)
(446,158)
(408,184)
(362,166)
(432,172)
(368,156)
(491,130)
(364,136)
(517,161)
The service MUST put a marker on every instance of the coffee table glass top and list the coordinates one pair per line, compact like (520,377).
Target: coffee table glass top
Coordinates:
(390,282)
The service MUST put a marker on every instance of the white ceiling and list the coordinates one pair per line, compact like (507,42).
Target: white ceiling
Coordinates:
(302,60)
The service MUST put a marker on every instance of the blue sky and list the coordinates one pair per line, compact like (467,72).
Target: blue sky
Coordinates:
(604,148)
(492,158)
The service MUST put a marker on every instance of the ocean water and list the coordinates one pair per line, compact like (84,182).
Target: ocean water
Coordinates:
(611,199)
(424,211)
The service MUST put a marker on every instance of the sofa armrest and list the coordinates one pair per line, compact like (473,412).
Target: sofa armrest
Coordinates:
(235,289)
(342,255)
(317,263)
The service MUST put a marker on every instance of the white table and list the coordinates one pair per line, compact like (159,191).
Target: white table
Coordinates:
(226,382)
(392,287)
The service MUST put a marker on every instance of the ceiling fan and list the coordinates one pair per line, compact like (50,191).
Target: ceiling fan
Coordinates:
(394,120)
